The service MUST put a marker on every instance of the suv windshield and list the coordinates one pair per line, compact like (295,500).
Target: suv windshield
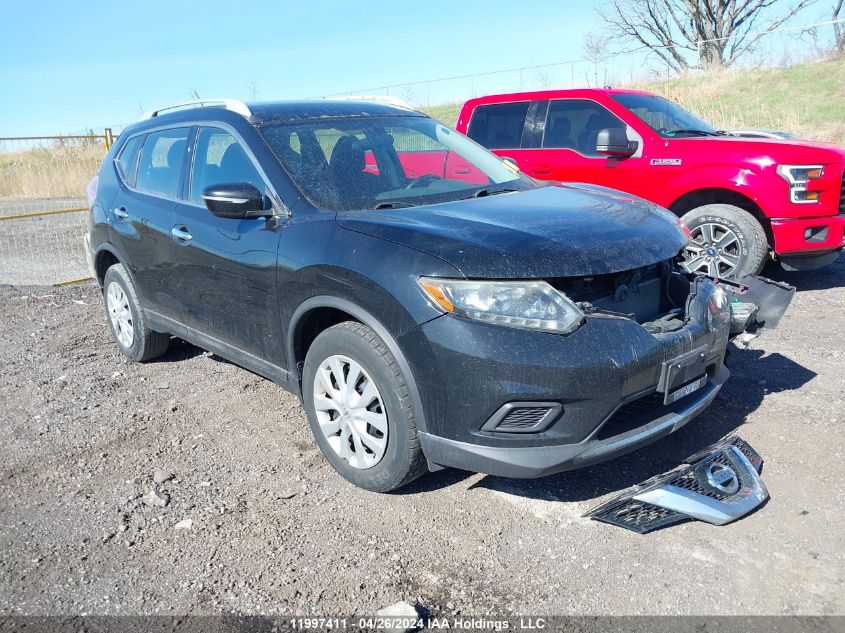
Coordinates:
(387,162)
(664,117)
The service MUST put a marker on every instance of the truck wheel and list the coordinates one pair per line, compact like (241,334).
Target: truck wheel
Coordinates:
(727,242)
(359,408)
(126,318)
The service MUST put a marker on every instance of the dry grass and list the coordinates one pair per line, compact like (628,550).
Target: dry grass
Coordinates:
(49,172)
(807,99)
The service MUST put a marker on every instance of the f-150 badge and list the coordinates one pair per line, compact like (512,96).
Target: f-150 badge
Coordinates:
(665,162)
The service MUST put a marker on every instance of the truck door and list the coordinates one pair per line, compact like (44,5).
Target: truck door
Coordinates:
(564,146)
(504,128)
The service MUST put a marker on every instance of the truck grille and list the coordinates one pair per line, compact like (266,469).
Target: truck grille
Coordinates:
(842,196)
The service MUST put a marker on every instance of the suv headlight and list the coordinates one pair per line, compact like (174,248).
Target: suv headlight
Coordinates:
(798,176)
(533,305)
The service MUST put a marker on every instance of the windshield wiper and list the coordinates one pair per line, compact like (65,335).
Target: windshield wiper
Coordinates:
(490,191)
(392,205)
(696,132)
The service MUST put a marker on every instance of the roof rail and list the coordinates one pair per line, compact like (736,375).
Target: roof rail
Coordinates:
(230,104)
(394,101)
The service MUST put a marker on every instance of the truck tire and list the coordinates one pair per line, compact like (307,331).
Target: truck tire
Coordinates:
(126,318)
(359,408)
(728,242)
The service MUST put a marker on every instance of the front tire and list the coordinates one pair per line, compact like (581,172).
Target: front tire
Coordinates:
(728,242)
(126,318)
(359,408)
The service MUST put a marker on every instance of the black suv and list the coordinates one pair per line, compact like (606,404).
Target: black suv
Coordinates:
(430,305)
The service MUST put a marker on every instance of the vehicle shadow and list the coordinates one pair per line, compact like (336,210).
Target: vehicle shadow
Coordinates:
(178,351)
(832,276)
(754,374)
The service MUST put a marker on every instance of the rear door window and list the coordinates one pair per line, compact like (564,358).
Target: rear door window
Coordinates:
(218,159)
(575,124)
(127,161)
(499,125)
(160,167)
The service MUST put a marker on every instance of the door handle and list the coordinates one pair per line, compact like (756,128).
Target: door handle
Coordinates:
(180,234)
(120,213)
(540,169)
(463,171)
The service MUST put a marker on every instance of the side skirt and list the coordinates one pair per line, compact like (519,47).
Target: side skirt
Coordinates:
(278,375)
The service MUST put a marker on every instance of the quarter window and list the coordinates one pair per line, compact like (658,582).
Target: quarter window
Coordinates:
(161,162)
(221,159)
(575,124)
(128,159)
(498,126)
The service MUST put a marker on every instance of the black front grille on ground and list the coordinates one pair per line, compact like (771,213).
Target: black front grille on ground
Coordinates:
(638,516)
(523,418)
(631,511)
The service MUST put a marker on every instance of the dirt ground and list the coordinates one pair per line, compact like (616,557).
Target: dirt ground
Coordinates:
(272,529)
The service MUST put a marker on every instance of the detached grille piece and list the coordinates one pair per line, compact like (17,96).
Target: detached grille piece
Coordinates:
(720,485)
(523,417)
(637,516)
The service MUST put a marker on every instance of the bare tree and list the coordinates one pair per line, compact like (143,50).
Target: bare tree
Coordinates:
(595,51)
(838,28)
(695,33)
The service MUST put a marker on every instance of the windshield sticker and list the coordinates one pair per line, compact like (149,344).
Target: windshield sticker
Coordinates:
(664,162)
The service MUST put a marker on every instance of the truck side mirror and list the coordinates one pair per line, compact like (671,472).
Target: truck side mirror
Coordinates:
(614,142)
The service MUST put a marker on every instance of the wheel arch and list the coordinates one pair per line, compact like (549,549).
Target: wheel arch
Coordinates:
(317,314)
(717,195)
(106,257)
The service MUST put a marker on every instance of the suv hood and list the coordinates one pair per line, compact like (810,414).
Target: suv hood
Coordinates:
(554,231)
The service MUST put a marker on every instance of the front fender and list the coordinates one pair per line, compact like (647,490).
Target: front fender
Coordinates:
(368,319)
(744,181)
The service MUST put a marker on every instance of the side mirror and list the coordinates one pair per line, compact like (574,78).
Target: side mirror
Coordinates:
(510,161)
(614,142)
(234,200)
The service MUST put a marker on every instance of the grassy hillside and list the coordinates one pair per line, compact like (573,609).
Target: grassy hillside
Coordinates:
(808,100)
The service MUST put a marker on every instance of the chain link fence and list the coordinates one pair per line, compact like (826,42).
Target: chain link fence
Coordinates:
(43,208)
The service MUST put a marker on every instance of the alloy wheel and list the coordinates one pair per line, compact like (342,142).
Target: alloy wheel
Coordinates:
(350,412)
(715,250)
(120,315)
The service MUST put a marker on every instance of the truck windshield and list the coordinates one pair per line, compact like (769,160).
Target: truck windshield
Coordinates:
(664,117)
(387,163)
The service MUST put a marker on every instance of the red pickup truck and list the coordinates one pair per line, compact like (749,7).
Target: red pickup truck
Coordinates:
(744,200)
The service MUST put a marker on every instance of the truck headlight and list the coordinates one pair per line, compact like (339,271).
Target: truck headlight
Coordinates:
(533,305)
(798,176)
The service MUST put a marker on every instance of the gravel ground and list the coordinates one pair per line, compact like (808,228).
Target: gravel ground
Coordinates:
(256,521)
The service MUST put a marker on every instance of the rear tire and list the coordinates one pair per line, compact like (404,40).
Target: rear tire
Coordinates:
(727,242)
(126,318)
(359,408)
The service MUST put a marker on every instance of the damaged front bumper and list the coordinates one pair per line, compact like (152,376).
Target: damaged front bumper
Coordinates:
(718,485)
(515,403)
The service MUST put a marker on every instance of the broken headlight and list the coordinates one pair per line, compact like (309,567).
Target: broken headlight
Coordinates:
(532,305)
